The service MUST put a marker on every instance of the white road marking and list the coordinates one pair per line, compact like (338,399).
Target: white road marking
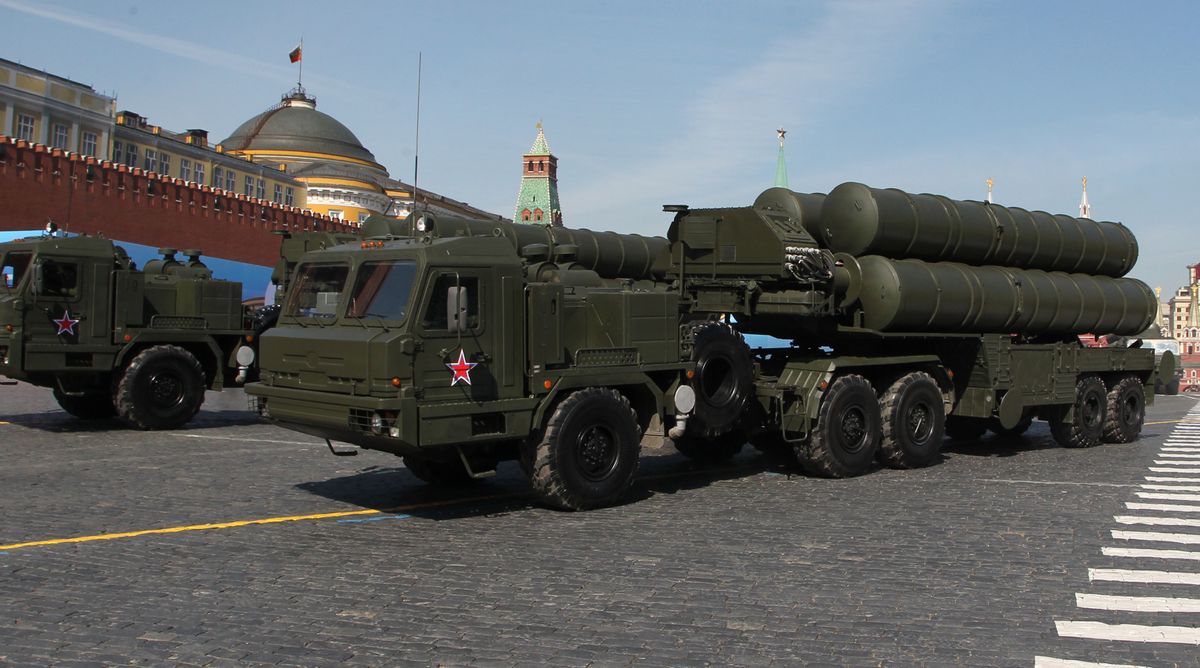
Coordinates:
(1160,478)
(1137,603)
(1175,455)
(1149,553)
(1162,496)
(243,439)
(1157,521)
(1051,662)
(1142,577)
(1179,488)
(1187,538)
(1183,635)
(1175,462)
(1172,507)
(1165,469)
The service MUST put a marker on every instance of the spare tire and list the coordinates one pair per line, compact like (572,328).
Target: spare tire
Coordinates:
(724,378)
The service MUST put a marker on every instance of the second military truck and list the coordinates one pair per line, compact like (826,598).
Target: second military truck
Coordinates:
(458,344)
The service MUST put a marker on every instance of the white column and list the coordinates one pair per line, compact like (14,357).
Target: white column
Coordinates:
(102,148)
(44,132)
(73,139)
(8,128)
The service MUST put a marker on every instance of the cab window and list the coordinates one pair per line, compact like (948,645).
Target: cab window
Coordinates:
(382,290)
(13,269)
(435,311)
(60,279)
(317,291)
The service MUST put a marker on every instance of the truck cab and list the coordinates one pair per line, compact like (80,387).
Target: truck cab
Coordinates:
(457,352)
(78,317)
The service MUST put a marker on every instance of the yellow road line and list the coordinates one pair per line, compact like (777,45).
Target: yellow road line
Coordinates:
(3,422)
(243,523)
(1162,422)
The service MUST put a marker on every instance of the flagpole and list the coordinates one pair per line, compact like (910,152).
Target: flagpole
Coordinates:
(300,77)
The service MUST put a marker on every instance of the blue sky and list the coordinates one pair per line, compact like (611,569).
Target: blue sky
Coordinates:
(648,103)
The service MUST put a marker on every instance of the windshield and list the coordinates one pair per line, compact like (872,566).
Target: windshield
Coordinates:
(317,292)
(382,290)
(13,268)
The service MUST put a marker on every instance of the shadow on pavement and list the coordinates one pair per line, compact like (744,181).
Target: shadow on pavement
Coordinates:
(63,423)
(395,489)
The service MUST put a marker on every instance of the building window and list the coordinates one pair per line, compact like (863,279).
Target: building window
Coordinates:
(185,169)
(248,186)
(231,181)
(260,190)
(335,214)
(151,161)
(164,164)
(218,176)
(289,197)
(131,151)
(24,127)
(198,172)
(89,143)
(537,215)
(541,165)
(116,154)
(277,197)
(529,166)
(525,214)
(61,137)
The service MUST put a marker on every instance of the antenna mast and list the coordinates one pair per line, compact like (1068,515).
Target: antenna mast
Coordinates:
(417,140)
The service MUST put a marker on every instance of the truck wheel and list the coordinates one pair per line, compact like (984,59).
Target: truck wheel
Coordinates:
(162,388)
(846,436)
(589,450)
(914,420)
(1088,427)
(436,472)
(1022,427)
(965,428)
(1171,389)
(712,449)
(89,407)
(724,379)
(1125,410)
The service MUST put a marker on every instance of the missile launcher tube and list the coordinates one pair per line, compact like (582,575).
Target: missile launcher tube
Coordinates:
(861,221)
(609,254)
(916,296)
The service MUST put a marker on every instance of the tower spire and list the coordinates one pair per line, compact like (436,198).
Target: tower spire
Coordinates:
(781,180)
(1085,209)
(537,200)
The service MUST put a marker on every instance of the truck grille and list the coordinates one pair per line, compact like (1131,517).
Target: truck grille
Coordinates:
(360,420)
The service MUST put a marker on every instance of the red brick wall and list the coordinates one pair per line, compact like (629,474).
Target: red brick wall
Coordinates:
(88,196)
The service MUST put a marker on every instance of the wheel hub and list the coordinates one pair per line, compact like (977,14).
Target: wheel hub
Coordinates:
(165,390)
(854,429)
(920,423)
(597,453)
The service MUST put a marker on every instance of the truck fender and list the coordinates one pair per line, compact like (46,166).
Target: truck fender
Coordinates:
(140,342)
(566,385)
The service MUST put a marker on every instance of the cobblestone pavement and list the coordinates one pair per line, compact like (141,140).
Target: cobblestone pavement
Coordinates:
(314,560)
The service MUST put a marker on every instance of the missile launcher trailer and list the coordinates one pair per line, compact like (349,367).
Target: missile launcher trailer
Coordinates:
(78,317)
(458,344)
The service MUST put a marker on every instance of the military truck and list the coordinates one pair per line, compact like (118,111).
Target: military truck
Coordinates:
(458,344)
(78,317)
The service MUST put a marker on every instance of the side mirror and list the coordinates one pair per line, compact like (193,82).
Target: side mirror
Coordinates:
(38,277)
(456,308)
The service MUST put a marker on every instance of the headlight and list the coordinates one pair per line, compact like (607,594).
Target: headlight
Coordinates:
(378,424)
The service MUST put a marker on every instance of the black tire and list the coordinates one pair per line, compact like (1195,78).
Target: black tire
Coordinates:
(162,388)
(1087,429)
(710,449)
(1125,412)
(434,472)
(1021,427)
(588,453)
(88,407)
(724,379)
(846,437)
(914,421)
(1171,389)
(965,428)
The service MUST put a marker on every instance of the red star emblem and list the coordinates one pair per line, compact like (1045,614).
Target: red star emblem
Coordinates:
(461,368)
(66,324)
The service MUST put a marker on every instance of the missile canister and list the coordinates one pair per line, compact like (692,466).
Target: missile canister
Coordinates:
(804,208)
(609,254)
(860,221)
(916,296)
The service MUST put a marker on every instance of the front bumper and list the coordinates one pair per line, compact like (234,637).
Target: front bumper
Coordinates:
(342,418)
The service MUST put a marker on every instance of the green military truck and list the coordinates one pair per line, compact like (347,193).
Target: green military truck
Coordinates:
(110,340)
(458,344)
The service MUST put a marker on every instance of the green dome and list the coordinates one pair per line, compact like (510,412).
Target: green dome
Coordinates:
(296,125)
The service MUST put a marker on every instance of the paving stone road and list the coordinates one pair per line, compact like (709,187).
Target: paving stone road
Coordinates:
(309,559)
